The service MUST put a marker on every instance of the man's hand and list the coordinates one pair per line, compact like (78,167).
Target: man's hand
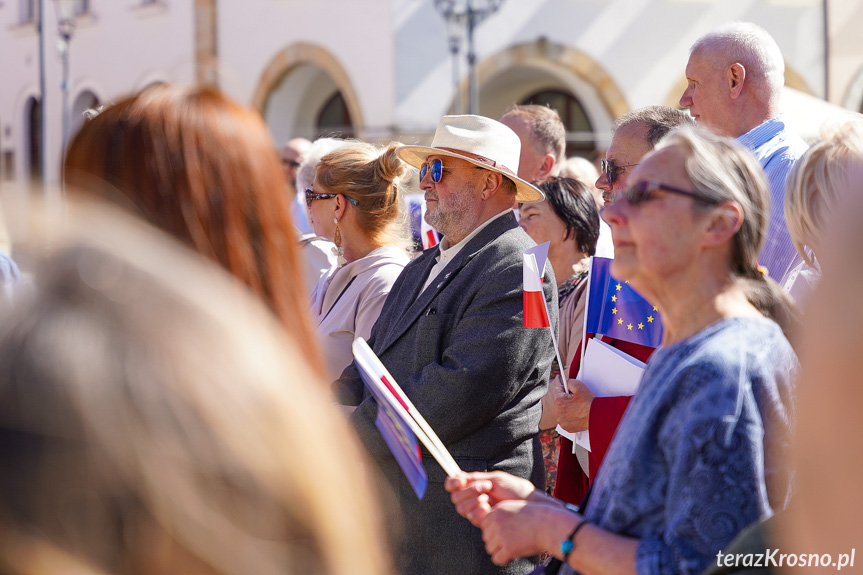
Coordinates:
(572,410)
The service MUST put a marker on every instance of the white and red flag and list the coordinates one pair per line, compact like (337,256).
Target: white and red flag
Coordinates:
(535,308)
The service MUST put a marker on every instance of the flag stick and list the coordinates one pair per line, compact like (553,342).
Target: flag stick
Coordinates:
(586,311)
(548,320)
(557,353)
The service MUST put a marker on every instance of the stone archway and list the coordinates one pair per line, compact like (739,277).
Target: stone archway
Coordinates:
(517,71)
(296,83)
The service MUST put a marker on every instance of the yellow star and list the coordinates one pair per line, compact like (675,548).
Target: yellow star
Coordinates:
(614,298)
(641,326)
(619,287)
(620,321)
(650,319)
(654,308)
(629,326)
(614,310)
(626,282)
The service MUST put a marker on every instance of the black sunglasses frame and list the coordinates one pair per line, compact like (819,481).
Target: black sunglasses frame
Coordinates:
(639,192)
(611,171)
(312,195)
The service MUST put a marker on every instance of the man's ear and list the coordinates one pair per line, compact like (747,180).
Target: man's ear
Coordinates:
(546,167)
(491,185)
(736,76)
(722,223)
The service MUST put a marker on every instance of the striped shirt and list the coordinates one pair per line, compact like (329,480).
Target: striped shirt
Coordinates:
(777,149)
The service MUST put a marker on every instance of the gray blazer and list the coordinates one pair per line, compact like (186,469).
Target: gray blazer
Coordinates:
(460,352)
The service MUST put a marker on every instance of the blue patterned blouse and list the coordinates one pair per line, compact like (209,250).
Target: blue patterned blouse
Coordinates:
(701,441)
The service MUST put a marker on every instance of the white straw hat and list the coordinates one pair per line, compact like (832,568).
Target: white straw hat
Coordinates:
(481,141)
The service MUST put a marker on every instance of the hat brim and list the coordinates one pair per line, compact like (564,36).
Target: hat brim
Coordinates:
(416,156)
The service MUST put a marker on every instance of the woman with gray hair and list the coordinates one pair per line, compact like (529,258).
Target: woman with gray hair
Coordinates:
(697,456)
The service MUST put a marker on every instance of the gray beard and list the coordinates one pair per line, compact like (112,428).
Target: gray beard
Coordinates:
(458,218)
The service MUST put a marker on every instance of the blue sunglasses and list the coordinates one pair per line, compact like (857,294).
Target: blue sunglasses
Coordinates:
(437,170)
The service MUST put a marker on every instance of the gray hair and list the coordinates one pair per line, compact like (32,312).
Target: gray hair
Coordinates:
(721,170)
(750,45)
(320,148)
(659,121)
(547,128)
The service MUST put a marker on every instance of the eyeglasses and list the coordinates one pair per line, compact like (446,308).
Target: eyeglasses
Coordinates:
(640,192)
(437,170)
(611,171)
(312,195)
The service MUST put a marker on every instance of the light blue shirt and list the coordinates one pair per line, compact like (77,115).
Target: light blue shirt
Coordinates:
(776,149)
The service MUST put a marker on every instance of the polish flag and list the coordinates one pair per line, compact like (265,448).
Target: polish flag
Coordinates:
(428,234)
(535,310)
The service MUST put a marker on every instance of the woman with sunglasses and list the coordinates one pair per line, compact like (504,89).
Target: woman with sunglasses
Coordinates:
(698,454)
(355,203)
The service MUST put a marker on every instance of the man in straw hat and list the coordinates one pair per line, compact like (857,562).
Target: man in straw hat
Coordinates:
(451,334)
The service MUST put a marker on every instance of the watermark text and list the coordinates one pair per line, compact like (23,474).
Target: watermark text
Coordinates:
(775,558)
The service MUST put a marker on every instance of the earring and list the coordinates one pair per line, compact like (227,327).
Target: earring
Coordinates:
(338,251)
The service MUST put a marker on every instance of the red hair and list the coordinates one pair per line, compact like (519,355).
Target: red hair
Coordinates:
(204,169)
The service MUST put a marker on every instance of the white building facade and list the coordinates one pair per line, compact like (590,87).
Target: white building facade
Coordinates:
(381,69)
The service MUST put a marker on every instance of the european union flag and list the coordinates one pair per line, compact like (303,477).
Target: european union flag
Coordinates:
(618,311)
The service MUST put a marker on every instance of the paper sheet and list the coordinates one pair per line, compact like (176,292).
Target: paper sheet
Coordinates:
(608,372)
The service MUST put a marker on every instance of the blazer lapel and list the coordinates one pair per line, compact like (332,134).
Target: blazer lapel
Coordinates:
(422,301)
(411,289)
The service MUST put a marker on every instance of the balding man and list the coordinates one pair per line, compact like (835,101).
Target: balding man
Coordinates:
(735,77)
(636,133)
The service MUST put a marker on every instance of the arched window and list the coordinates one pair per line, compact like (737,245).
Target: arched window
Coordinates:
(579,132)
(34,139)
(334,120)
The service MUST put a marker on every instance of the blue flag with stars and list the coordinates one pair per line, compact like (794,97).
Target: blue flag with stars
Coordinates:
(618,311)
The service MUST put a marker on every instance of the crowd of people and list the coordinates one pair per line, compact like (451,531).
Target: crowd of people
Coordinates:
(179,393)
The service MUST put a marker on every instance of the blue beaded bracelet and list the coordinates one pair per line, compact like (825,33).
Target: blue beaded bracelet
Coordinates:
(568,545)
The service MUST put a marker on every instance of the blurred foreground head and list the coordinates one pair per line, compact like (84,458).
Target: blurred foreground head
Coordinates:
(155,420)
(204,169)
(824,516)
